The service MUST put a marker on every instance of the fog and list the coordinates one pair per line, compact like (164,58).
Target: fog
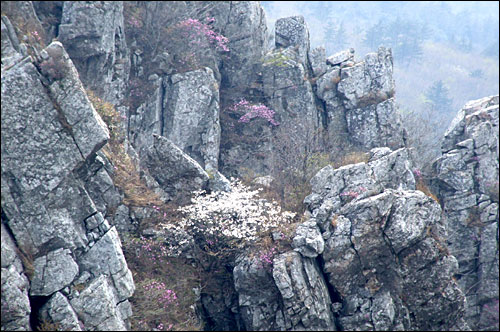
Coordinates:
(445,52)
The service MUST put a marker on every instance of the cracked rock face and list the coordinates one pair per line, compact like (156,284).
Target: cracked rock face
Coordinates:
(293,296)
(93,35)
(191,115)
(53,272)
(15,302)
(383,240)
(50,131)
(466,177)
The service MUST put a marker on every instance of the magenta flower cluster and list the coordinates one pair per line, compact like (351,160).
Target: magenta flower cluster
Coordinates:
(417,172)
(254,111)
(194,30)
(164,295)
(151,250)
(266,258)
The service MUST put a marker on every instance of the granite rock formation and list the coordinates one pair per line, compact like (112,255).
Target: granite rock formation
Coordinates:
(466,179)
(371,253)
(50,131)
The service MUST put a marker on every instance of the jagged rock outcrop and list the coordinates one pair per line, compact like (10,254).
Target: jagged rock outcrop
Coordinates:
(373,251)
(466,180)
(50,131)
(245,27)
(377,240)
(364,93)
(293,296)
(185,109)
(327,104)
(191,115)
(383,240)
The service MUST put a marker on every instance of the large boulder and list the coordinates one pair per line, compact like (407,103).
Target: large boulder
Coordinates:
(176,173)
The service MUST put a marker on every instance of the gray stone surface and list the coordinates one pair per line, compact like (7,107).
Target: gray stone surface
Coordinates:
(331,188)
(244,24)
(58,311)
(293,296)
(292,32)
(339,57)
(385,252)
(466,178)
(191,115)
(50,137)
(308,240)
(317,57)
(367,82)
(97,306)
(360,262)
(93,35)
(176,173)
(376,125)
(305,295)
(10,44)
(15,302)
(106,258)
(53,272)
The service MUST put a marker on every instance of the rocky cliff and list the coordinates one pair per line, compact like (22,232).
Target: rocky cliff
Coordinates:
(117,139)
(466,177)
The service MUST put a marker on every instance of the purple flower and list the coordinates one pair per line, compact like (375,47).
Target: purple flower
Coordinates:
(254,111)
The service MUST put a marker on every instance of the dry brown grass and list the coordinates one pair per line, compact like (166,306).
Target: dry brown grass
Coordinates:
(423,188)
(48,326)
(27,260)
(352,158)
(127,178)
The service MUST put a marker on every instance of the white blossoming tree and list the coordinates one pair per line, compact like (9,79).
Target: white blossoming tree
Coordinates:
(227,219)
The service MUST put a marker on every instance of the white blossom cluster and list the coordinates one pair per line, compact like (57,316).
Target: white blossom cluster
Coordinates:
(231,215)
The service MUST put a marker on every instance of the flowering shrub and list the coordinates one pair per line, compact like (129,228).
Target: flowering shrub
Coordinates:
(222,217)
(254,111)
(151,250)
(266,258)
(164,293)
(199,34)
(160,293)
(189,42)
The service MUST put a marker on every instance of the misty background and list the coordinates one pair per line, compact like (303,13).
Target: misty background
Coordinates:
(445,52)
